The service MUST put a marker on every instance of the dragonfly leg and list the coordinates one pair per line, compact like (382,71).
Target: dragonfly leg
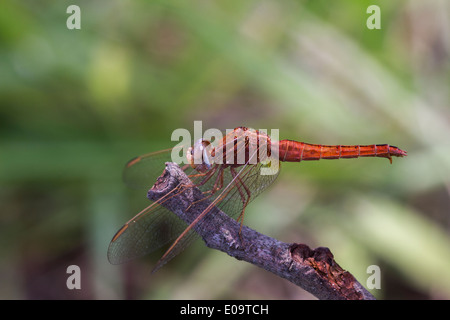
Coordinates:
(218,184)
(199,175)
(245,199)
(219,181)
(206,175)
(209,175)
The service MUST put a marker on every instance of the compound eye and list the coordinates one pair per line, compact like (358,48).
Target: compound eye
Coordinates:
(205,143)
(190,156)
(200,154)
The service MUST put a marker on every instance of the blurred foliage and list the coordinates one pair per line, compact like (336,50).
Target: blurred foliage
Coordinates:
(75,105)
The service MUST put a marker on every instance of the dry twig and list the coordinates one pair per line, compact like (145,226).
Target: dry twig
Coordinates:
(315,271)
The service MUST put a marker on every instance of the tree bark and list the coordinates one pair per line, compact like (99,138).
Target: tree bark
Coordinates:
(315,271)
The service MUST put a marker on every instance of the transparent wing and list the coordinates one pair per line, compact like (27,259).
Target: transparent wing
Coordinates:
(141,172)
(229,188)
(152,228)
(238,187)
(248,183)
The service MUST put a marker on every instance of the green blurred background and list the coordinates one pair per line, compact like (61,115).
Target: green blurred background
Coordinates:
(76,105)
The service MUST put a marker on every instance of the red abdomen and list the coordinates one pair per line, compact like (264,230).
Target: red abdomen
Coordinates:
(294,151)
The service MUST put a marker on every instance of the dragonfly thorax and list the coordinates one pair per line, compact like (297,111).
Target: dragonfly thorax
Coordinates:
(199,156)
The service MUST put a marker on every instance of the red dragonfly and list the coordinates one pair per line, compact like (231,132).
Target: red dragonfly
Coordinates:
(228,182)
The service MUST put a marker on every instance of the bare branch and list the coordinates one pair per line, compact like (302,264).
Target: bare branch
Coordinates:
(313,270)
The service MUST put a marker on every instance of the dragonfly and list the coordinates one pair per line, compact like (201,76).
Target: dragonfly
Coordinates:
(229,173)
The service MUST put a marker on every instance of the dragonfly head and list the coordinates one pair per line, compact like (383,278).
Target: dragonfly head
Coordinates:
(199,156)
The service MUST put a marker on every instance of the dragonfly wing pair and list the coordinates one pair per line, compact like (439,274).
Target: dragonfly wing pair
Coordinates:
(229,188)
